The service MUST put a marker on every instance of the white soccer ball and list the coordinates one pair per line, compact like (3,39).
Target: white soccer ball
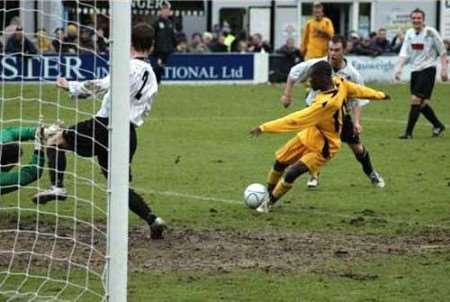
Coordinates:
(254,195)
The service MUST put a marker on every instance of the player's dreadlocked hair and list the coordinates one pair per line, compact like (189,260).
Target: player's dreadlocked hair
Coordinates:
(322,68)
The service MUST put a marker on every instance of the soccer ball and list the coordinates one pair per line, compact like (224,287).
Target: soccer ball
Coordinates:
(254,195)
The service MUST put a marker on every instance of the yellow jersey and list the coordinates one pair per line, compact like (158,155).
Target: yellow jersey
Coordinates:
(315,45)
(321,123)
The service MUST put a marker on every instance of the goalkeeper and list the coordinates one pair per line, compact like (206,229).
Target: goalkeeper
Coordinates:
(10,153)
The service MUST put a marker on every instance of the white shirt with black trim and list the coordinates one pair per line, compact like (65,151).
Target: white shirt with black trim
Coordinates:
(300,73)
(143,88)
(420,49)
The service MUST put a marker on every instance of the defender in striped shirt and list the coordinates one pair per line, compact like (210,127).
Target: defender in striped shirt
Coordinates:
(421,47)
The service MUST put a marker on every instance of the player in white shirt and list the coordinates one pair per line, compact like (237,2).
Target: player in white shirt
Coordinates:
(421,47)
(91,138)
(351,128)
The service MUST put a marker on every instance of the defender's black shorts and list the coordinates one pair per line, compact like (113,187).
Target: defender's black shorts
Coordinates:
(348,134)
(422,82)
(91,138)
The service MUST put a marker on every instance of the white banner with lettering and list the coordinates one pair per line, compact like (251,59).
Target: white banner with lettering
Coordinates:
(381,69)
(445,19)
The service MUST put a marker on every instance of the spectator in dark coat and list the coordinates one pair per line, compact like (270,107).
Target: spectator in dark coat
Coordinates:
(258,45)
(18,43)
(380,42)
(58,42)
(165,40)
(397,41)
(86,40)
(239,41)
(290,51)
(219,44)
(362,46)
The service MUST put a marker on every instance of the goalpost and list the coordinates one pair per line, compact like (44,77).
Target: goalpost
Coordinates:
(118,161)
(76,249)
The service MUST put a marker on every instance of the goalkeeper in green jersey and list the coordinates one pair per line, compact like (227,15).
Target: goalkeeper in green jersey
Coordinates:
(10,153)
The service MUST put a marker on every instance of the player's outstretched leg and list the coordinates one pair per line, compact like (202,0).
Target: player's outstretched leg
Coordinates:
(138,206)
(429,114)
(283,186)
(275,174)
(362,155)
(57,165)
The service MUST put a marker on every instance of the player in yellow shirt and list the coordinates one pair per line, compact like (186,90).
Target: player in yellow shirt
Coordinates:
(318,32)
(320,124)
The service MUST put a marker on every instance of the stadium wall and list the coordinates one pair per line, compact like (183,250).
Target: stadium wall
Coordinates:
(185,68)
(180,68)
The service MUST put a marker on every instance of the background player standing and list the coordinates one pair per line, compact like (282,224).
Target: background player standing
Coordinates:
(421,46)
(318,32)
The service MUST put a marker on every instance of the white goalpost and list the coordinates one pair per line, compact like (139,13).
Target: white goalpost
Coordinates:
(118,160)
(74,249)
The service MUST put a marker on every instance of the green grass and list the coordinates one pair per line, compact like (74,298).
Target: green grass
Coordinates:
(195,149)
(379,280)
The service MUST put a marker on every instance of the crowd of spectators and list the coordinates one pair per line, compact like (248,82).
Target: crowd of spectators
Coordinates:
(375,44)
(71,39)
(74,39)
(222,40)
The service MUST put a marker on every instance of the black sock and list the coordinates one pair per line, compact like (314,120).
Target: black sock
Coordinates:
(272,198)
(138,206)
(412,119)
(429,114)
(270,188)
(366,163)
(57,166)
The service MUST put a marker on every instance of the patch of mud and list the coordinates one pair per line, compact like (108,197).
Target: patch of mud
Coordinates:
(224,250)
(207,250)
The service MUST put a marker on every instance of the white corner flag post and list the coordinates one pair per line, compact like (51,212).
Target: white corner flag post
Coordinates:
(119,152)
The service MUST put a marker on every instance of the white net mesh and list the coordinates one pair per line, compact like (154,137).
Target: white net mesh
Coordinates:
(54,251)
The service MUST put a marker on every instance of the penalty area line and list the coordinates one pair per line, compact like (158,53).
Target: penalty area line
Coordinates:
(309,211)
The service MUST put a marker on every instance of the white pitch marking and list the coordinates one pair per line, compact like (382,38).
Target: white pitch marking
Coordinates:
(318,212)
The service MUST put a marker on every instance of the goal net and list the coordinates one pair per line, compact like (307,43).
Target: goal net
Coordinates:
(73,249)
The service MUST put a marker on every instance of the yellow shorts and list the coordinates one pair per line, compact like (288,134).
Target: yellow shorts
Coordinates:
(294,151)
